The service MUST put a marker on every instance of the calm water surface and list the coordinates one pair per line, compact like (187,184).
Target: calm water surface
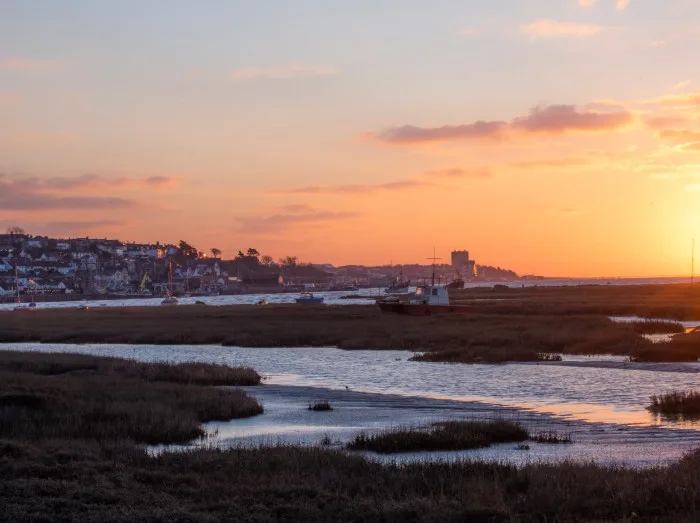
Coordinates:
(600,389)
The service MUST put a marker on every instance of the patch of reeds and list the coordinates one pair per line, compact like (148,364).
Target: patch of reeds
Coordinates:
(657,327)
(449,435)
(684,404)
(320,406)
(62,396)
(551,436)
(65,481)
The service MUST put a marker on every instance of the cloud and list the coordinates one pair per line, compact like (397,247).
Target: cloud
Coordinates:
(279,222)
(552,119)
(681,85)
(548,28)
(586,3)
(85,181)
(280,72)
(562,118)
(692,147)
(664,122)
(680,135)
(28,65)
(297,207)
(32,193)
(475,172)
(79,227)
(622,4)
(357,188)
(569,161)
(681,100)
(22,200)
(408,134)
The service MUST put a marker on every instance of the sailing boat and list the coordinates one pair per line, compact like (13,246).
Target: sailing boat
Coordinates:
(170,299)
(398,285)
(20,306)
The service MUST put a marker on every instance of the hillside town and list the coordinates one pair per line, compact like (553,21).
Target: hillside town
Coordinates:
(53,267)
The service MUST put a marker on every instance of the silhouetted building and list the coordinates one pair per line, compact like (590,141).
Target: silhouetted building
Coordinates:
(460,259)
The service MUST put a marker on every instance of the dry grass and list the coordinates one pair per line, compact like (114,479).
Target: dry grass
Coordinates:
(61,396)
(68,481)
(449,435)
(532,324)
(676,404)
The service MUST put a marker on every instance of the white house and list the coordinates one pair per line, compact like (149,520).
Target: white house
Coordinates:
(63,246)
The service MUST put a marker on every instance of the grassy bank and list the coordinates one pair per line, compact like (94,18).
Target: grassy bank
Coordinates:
(678,301)
(449,435)
(476,337)
(71,481)
(68,396)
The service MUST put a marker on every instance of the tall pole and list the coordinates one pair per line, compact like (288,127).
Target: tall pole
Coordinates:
(692,263)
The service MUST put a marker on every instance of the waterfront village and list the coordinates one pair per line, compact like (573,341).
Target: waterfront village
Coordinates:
(71,268)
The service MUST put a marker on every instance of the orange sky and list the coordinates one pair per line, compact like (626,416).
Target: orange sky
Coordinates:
(557,138)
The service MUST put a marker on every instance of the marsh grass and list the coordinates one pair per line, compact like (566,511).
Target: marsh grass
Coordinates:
(448,435)
(100,474)
(680,404)
(657,327)
(551,436)
(69,396)
(320,406)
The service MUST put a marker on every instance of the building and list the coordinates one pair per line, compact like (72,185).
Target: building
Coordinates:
(460,259)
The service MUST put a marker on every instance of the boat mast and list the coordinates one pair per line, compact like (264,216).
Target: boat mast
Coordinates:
(692,263)
(433,259)
(19,299)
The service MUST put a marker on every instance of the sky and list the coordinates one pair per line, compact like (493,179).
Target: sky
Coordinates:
(555,137)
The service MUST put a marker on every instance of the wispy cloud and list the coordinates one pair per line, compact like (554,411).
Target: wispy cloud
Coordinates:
(474,172)
(681,100)
(680,135)
(551,119)
(666,121)
(29,65)
(569,161)
(13,197)
(548,28)
(297,207)
(622,4)
(84,181)
(398,185)
(586,3)
(283,71)
(680,85)
(281,222)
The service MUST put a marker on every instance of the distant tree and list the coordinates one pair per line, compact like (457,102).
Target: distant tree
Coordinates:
(240,255)
(289,262)
(216,253)
(267,260)
(15,229)
(185,253)
(253,253)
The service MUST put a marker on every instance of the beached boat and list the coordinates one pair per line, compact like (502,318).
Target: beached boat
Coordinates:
(398,285)
(308,298)
(19,305)
(170,299)
(426,301)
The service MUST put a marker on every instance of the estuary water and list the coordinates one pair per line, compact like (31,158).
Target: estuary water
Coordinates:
(600,400)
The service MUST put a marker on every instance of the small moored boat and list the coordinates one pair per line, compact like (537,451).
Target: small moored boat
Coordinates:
(309,299)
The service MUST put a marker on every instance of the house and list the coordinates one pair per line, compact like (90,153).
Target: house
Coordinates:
(63,246)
